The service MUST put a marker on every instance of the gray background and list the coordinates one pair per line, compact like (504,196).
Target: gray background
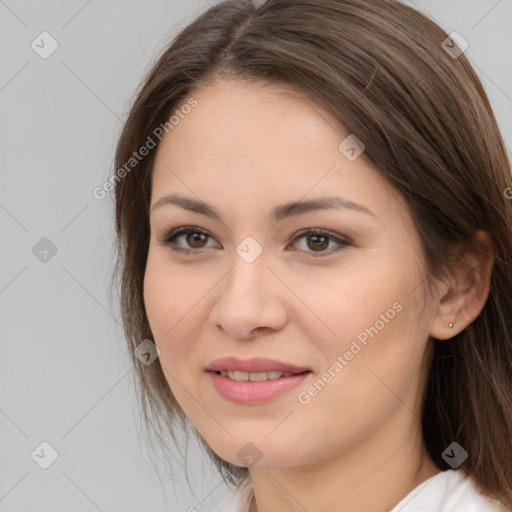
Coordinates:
(64,373)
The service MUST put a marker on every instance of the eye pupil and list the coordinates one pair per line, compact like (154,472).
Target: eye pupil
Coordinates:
(194,237)
(323,244)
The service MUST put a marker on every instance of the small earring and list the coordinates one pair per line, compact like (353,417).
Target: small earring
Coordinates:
(450,325)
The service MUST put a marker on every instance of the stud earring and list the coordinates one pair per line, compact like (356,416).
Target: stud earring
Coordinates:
(450,325)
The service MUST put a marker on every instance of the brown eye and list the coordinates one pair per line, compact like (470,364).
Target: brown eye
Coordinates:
(187,239)
(318,242)
(196,239)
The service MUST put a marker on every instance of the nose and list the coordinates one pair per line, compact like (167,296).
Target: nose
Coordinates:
(249,300)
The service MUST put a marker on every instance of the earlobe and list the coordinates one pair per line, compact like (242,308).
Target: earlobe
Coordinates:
(464,297)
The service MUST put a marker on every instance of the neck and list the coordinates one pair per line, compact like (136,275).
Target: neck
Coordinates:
(373,474)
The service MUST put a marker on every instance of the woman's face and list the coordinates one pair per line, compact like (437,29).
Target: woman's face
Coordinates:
(348,306)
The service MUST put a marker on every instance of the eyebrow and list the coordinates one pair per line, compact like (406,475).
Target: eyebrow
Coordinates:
(278,213)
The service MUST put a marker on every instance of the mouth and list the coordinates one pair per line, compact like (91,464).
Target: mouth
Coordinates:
(240,376)
(256,380)
(251,392)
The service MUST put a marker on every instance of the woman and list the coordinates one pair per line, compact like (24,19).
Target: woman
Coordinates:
(315,229)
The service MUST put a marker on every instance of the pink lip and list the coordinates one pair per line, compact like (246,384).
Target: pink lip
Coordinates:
(248,392)
(254,365)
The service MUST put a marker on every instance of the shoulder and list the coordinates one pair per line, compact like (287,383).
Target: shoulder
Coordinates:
(448,491)
(238,500)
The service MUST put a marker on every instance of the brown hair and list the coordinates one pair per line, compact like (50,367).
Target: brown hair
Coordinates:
(379,67)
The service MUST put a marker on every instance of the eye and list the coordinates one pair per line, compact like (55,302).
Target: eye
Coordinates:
(316,241)
(193,236)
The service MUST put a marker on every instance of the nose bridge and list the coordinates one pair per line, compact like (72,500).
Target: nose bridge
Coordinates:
(247,298)
(248,279)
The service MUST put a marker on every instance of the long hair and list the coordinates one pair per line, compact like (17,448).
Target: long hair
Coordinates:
(385,72)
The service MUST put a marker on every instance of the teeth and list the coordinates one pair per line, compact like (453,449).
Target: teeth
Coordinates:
(254,377)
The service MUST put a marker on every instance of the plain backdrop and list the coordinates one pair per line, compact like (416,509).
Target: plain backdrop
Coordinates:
(64,373)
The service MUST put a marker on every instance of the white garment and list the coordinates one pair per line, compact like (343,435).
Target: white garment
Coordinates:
(448,491)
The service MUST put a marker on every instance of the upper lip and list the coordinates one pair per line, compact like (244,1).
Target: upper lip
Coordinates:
(254,365)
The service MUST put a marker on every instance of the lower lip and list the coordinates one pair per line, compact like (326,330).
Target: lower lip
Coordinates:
(249,392)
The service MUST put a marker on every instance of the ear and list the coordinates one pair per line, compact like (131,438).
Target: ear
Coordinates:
(463,297)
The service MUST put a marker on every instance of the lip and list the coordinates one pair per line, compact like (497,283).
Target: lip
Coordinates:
(249,392)
(254,365)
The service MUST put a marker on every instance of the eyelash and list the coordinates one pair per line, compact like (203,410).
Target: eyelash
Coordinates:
(170,238)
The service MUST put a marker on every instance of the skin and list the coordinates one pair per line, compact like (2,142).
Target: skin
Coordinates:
(357,444)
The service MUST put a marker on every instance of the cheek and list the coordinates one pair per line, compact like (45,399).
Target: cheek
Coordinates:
(358,392)
(363,300)
(168,294)
(175,311)
(164,302)
(166,309)
(376,330)
(157,302)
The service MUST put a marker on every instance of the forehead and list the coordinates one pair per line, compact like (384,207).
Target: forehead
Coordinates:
(262,141)
(251,114)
